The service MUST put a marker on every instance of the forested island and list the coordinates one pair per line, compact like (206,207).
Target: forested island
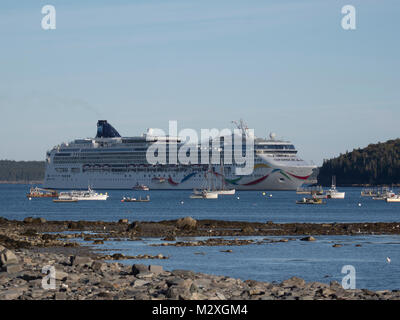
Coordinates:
(378,164)
(21,171)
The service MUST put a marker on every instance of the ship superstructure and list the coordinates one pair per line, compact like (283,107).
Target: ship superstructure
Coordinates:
(110,161)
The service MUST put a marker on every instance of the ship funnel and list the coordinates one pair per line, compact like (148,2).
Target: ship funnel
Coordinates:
(106,130)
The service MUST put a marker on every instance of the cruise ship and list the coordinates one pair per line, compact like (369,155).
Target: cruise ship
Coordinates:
(110,161)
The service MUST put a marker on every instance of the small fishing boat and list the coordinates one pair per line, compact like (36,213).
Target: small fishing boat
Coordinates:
(36,192)
(333,193)
(140,187)
(89,195)
(82,195)
(128,199)
(209,191)
(310,201)
(369,193)
(204,194)
(395,198)
(384,194)
(226,192)
(310,190)
(201,192)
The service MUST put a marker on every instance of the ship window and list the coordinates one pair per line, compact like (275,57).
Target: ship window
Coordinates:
(277,147)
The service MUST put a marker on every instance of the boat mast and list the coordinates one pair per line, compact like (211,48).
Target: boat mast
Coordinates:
(222,174)
(212,180)
(242,126)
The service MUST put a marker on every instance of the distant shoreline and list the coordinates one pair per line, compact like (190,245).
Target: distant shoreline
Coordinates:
(394,185)
(22,182)
(38,182)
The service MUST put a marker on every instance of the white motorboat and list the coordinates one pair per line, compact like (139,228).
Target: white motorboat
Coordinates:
(204,194)
(226,192)
(129,199)
(384,194)
(82,195)
(369,193)
(208,192)
(395,198)
(333,193)
(199,192)
(141,187)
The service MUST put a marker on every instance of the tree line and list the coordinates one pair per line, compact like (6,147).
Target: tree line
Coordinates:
(377,164)
(21,171)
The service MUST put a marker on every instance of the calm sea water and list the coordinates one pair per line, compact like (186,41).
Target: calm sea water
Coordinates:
(164,205)
(313,261)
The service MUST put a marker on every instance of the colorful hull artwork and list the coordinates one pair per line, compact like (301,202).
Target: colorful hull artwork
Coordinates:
(236,182)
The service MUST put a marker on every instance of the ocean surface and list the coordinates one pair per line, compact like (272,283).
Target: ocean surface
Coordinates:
(276,206)
(313,261)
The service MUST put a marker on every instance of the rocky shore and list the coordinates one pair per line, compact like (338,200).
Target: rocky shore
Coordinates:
(79,276)
(26,247)
(188,227)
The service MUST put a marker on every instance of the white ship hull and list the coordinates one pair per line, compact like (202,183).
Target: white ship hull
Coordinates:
(289,178)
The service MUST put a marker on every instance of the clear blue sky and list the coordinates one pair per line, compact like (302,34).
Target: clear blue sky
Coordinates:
(285,66)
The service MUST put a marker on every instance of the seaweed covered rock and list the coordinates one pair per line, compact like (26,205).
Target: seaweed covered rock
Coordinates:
(134,226)
(187,223)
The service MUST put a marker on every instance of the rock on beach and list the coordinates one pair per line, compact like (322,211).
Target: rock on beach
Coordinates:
(108,281)
(187,223)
